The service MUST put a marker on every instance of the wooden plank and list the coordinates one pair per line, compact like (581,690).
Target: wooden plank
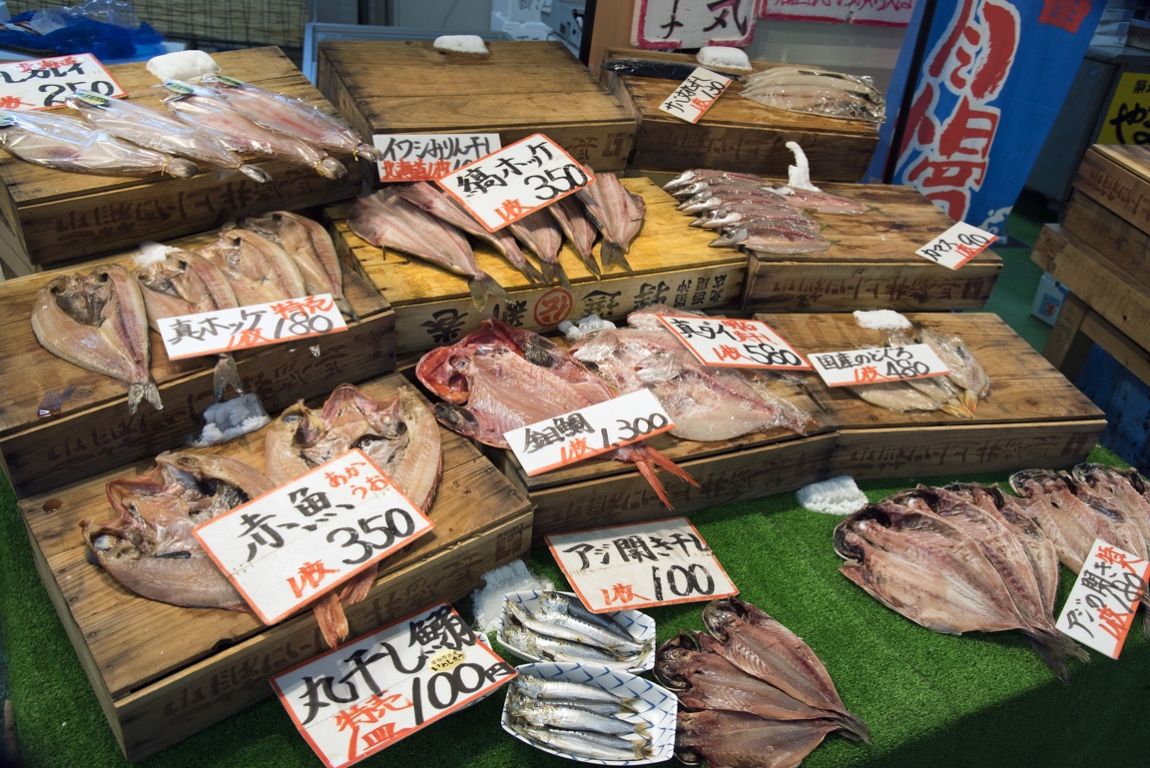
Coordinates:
(165,685)
(1118,178)
(89,429)
(1066,347)
(1126,246)
(1118,345)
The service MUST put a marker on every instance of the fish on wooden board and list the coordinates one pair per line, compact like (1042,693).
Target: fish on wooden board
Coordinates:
(690,176)
(816,91)
(578,229)
(617,213)
(309,245)
(98,321)
(258,270)
(819,201)
(540,233)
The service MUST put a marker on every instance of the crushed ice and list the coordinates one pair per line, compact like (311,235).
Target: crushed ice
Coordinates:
(461,44)
(488,599)
(580,328)
(837,496)
(723,56)
(881,320)
(230,419)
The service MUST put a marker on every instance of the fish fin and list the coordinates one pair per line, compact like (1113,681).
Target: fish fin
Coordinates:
(146,390)
(612,255)
(1056,650)
(553,273)
(330,168)
(533,275)
(255,173)
(484,287)
(592,265)
(331,619)
(956,408)
(226,375)
(357,588)
(643,730)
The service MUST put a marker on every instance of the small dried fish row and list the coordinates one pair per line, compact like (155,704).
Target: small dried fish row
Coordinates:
(570,716)
(584,744)
(582,694)
(558,636)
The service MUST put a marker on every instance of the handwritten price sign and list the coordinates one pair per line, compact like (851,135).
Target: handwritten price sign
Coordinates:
(694,97)
(352,702)
(1101,606)
(587,432)
(256,325)
(516,181)
(878,365)
(724,342)
(956,246)
(47,83)
(429,156)
(640,565)
(294,544)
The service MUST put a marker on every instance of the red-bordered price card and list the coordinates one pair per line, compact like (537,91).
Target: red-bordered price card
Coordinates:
(352,702)
(577,435)
(516,181)
(256,325)
(695,95)
(640,565)
(429,156)
(724,342)
(292,545)
(48,83)
(957,245)
(1100,609)
(877,365)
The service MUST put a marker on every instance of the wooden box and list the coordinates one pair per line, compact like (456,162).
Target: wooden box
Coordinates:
(162,672)
(673,264)
(1034,417)
(735,134)
(523,87)
(871,262)
(51,216)
(60,422)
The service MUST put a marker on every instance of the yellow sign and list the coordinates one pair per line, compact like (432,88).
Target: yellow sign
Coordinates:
(1128,119)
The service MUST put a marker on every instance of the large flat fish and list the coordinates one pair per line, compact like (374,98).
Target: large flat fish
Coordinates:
(98,321)
(258,270)
(742,740)
(543,237)
(308,244)
(617,213)
(149,548)
(387,220)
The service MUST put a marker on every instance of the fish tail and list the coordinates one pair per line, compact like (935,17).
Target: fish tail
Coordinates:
(664,461)
(331,619)
(226,375)
(957,408)
(612,255)
(483,287)
(588,259)
(643,750)
(643,730)
(144,390)
(553,273)
(647,470)
(855,728)
(367,152)
(345,307)
(970,400)
(330,168)
(358,587)
(255,173)
(533,275)
(1056,650)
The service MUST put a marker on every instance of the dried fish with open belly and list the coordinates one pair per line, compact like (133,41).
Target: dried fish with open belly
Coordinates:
(98,321)
(617,213)
(258,270)
(309,245)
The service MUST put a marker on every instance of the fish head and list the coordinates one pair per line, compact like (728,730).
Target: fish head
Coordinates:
(552,603)
(112,542)
(1035,482)
(443,370)
(215,475)
(673,660)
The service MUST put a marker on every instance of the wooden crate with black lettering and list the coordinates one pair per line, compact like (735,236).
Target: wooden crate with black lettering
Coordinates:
(158,686)
(60,422)
(54,216)
(871,263)
(735,133)
(672,264)
(1033,417)
(521,88)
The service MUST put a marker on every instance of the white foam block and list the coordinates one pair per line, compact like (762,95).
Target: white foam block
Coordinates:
(723,56)
(837,496)
(497,583)
(881,320)
(182,65)
(461,44)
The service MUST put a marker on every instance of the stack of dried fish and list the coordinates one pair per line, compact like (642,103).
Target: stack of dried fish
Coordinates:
(990,569)
(425,222)
(579,719)
(750,213)
(559,628)
(815,91)
(752,694)
(501,378)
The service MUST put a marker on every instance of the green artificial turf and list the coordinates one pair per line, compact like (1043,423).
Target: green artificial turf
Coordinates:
(929,699)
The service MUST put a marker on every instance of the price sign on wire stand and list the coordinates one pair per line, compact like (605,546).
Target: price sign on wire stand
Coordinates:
(429,156)
(723,342)
(640,565)
(48,83)
(516,181)
(957,245)
(877,365)
(695,95)
(350,703)
(1100,609)
(577,435)
(296,543)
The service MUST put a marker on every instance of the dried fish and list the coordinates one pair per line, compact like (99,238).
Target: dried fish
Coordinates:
(591,746)
(258,270)
(568,716)
(309,245)
(617,213)
(580,694)
(541,235)
(578,229)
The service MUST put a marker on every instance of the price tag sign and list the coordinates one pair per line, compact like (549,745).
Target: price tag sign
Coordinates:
(723,342)
(516,181)
(288,547)
(957,245)
(47,83)
(587,432)
(640,565)
(695,95)
(1100,609)
(878,365)
(429,156)
(256,325)
(363,697)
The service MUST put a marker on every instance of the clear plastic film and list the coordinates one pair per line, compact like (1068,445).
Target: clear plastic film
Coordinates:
(817,92)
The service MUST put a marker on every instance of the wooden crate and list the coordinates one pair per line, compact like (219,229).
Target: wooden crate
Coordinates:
(57,216)
(735,134)
(672,263)
(1034,417)
(158,686)
(871,262)
(523,87)
(90,429)
(1117,177)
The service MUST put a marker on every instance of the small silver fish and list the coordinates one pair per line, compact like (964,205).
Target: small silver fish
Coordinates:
(570,717)
(577,693)
(594,746)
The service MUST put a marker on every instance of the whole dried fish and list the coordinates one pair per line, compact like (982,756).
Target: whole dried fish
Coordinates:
(578,229)
(743,740)
(617,213)
(692,175)
(98,321)
(542,236)
(568,716)
(258,270)
(821,202)
(557,632)
(580,694)
(309,245)
(816,92)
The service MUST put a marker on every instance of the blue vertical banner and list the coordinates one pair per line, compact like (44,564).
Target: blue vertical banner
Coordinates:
(991,80)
